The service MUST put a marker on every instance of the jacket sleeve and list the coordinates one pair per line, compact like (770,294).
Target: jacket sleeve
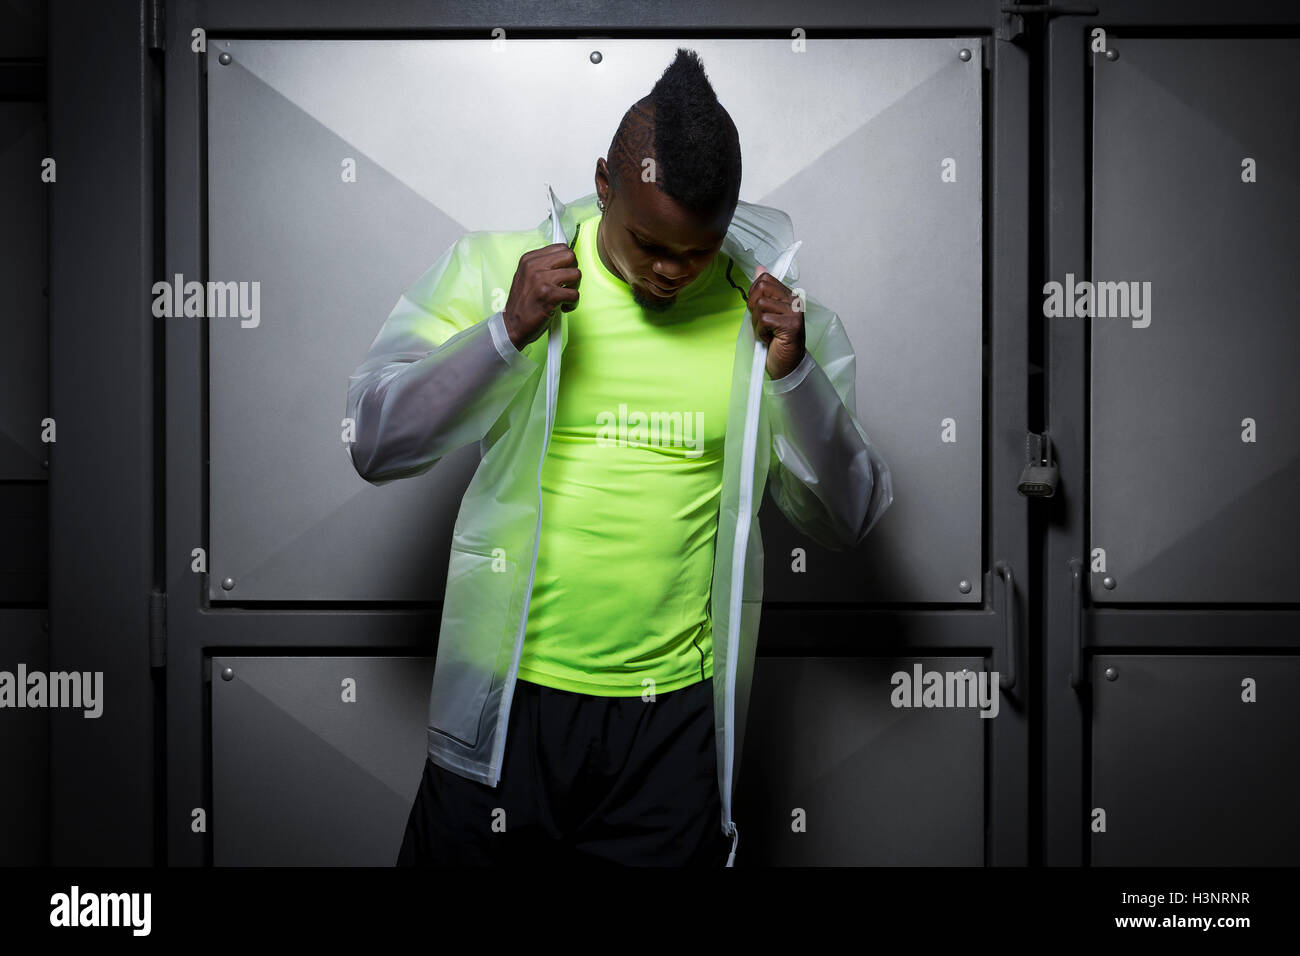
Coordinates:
(825,475)
(437,376)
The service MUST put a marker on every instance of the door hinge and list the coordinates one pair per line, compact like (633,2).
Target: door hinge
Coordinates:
(158,628)
(155,26)
(1013,14)
(1011,26)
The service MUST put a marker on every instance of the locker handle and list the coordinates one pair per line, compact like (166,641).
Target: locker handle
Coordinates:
(1076,622)
(1008,679)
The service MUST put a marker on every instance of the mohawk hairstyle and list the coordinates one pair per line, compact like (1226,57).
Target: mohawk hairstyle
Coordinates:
(691,137)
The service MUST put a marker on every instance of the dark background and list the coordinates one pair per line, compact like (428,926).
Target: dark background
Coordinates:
(1127,695)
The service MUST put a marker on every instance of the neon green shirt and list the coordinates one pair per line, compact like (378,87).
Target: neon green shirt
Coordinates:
(630,486)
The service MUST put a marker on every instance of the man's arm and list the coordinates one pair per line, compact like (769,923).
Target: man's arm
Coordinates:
(437,376)
(825,475)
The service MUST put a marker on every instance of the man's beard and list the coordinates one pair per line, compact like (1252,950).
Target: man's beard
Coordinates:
(648,300)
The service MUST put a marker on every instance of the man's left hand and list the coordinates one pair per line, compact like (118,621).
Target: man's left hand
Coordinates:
(776,322)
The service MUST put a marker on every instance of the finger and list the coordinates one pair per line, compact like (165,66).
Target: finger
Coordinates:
(772,286)
(768,303)
(542,251)
(764,326)
(556,254)
(759,301)
(564,276)
(760,287)
(553,295)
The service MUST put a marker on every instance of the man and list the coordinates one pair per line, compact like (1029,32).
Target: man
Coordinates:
(574,714)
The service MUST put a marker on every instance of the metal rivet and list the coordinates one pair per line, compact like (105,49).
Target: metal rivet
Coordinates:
(224,59)
(1112,673)
(228,584)
(1112,54)
(1108,583)
(964,586)
(227,673)
(964,54)
(595,56)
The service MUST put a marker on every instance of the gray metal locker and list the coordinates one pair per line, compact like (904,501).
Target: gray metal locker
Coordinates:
(301,777)
(1188,772)
(289,518)
(879,785)
(258,189)
(1184,508)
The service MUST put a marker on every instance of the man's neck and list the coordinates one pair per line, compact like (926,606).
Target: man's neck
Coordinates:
(600,250)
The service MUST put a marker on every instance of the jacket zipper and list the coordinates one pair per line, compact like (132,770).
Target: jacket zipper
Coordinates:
(552,375)
(554,340)
(741,545)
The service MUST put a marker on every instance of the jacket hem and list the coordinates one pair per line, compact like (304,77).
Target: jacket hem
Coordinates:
(471,769)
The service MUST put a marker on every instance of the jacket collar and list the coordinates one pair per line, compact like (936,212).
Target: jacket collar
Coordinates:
(757,234)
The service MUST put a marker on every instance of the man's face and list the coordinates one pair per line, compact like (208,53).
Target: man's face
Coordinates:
(652,243)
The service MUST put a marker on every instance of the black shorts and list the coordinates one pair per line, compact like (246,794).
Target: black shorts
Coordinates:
(586,780)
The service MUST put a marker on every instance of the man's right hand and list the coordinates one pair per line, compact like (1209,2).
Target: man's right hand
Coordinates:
(546,278)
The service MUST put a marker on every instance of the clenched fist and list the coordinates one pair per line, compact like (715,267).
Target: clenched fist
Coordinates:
(545,278)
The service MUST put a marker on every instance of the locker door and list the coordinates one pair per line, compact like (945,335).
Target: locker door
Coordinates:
(901,137)
(1193,760)
(836,775)
(315,760)
(898,245)
(1195,418)
(1171,242)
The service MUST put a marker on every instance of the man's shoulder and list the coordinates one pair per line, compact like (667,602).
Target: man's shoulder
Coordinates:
(758,234)
(494,251)
(485,242)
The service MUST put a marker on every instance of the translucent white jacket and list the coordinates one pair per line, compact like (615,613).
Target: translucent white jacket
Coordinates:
(442,373)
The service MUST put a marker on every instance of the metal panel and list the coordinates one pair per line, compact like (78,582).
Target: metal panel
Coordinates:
(23,349)
(1185,509)
(878,785)
(24,748)
(101,477)
(291,520)
(22,29)
(1188,773)
(302,777)
(24,547)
